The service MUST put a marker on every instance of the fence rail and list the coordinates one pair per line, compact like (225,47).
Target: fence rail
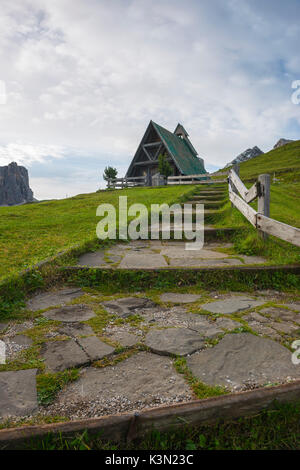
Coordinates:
(189,179)
(260,219)
(126,182)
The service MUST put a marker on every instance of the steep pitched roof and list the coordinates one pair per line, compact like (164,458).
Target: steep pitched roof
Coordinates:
(183,154)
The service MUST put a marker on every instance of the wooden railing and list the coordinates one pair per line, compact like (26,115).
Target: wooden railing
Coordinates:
(260,219)
(126,182)
(190,179)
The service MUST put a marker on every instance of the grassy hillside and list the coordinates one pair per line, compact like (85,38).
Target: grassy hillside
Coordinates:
(284,162)
(284,202)
(33,232)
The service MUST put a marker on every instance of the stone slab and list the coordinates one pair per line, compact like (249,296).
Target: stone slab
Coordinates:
(175,298)
(178,341)
(284,327)
(202,263)
(281,314)
(70,313)
(21,340)
(253,259)
(176,252)
(144,379)
(76,329)
(61,355)
(240,361)
(227,323)
(95,259)
(127,305)
(264,329)
(232,305)
(124,338)
(134,260)
(95,348)
(255,317)
(294,306)
(18,396)
(52,299)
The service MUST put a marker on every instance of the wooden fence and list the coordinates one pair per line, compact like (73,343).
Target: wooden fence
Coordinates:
(190,179)
(260,219)
(126,182)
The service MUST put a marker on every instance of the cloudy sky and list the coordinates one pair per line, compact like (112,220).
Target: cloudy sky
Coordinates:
(84,77)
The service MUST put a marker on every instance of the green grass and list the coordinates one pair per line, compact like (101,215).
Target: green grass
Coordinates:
(48,385)
(33,232)
(273,429)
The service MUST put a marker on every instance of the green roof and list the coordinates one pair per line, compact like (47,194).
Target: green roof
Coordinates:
(183,154)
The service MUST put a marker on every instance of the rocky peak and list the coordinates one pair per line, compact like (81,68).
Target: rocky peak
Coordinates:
(14,185)
(282,142)
(246,155)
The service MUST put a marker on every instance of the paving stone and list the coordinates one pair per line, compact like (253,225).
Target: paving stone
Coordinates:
(202,263)
(294,306)
(176,252)
(284,327)
(179,341)
(140,260)
(227,323)
(18,395)
(71,313)
(264,329)
(125,338)
(240,361)
(235,304)
(125,306)
(21,340)
(113,258)
(255,317)
(3,327)
(60,355)
(95,259)
(76,329)
(253,259)
(95,348)
(282,314)
(178,317)
(15,344)
(143,379)
(52,299)
(179,298)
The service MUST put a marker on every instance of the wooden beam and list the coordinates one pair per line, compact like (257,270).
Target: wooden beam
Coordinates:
(252,193)
(238,184)
(243,207)
(278,229)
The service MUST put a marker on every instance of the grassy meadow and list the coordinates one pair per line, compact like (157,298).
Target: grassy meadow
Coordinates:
(33,232)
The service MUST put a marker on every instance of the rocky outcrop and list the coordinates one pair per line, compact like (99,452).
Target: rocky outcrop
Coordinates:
(282,142)
(14,185)
(247,155)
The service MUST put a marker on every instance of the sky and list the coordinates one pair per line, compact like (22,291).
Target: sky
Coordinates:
(81,79)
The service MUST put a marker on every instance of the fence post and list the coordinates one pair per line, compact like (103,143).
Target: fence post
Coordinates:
(263,206)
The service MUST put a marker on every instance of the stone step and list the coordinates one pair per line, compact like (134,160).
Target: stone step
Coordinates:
(210,197)
(210,204)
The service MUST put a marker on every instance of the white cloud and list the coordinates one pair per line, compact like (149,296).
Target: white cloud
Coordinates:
(86,77)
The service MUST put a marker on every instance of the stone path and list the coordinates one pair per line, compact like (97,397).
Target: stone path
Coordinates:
(125,347)
(160,254)
(231,340)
